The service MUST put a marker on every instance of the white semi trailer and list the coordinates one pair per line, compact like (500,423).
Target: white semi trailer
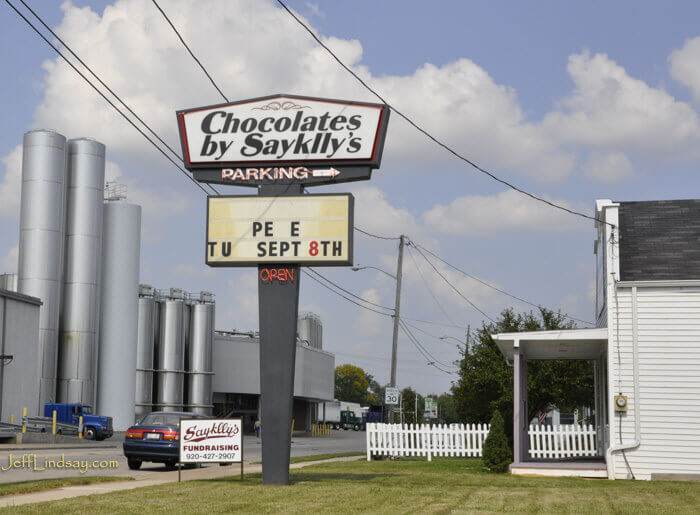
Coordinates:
(341,414)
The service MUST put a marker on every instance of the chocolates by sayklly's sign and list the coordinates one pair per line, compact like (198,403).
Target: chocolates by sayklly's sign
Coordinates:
(308,230)
(211,440)
(283,139)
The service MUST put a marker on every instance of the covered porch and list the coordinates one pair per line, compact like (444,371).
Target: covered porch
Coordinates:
(558,451)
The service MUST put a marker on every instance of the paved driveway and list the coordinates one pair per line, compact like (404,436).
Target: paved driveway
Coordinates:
(35,457)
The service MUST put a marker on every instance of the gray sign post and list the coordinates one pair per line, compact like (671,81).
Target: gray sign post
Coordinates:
(278,304)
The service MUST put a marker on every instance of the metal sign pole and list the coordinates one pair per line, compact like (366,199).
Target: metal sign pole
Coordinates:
(278,310)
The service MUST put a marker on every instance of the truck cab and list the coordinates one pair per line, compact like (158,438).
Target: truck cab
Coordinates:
(348,420)
(95,427)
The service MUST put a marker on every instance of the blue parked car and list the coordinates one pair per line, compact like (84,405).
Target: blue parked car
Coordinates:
(155,438)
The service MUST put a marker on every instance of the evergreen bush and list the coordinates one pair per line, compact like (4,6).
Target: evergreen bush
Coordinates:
(497,454)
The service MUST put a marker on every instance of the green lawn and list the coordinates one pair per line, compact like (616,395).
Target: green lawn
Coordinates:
(443,486)
(28,487)
(318,457)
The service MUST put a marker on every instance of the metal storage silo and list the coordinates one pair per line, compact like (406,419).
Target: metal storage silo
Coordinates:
(145,341)
(41,241)
(77,344)
(200,363)
(304,329)
(310,330)
(116,377)
(171,352)
(8,282)
(186,335)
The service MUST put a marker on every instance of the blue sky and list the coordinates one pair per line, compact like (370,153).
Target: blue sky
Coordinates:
(575,101)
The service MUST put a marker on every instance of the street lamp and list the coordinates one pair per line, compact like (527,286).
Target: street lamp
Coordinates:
(396,315)
(465,342)
(356,268)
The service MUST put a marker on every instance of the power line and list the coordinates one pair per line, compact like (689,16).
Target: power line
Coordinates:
(375,235)
(346,298)
(190,51)
(427,286)
(416,328)
(104,96)
(430,136)
(430,322)
(67,47)
(349,292)
(413,336)
(489,285)
(451,285)
(432,361)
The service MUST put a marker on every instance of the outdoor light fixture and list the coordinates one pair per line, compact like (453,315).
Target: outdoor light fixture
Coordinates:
(6,358)
(356,268)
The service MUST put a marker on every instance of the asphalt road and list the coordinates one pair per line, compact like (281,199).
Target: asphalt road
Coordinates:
(111,451)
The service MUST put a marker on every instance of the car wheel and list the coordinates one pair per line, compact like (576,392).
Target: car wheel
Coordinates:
(89,433)
(133,464)
(356,427)
(336,426)
(225,464)
(171,465)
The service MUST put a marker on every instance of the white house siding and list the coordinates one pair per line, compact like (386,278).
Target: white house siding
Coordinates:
(669,378)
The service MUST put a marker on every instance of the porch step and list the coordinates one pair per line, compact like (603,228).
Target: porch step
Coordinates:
(592,469)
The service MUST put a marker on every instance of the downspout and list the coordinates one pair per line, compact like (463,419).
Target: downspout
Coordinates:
(635,376)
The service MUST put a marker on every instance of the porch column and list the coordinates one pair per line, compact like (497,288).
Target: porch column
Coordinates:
(520,436)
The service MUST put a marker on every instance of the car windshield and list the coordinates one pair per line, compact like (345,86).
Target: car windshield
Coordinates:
(87,410)
(160,419)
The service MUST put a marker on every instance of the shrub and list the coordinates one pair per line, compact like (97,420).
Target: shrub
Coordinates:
(497,455)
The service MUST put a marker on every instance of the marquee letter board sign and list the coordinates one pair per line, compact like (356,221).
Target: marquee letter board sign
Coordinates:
(307,230)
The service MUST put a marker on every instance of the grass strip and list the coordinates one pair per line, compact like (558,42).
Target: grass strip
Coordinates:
(318,457)
(38,485)
(392,486)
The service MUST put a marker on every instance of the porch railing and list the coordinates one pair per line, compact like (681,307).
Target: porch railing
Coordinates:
(425,440)
(562,441)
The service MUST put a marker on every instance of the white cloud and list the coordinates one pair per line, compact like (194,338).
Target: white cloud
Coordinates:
(685,66)
(136,53)
(9,262)
(506,211)
(238,308)
(608,109)
(191,270)
(314,9)
(155,205)
(463,106)
(368,324)
(10,187)
(608,167)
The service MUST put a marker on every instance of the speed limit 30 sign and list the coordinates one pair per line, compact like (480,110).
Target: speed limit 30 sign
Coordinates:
(391,395)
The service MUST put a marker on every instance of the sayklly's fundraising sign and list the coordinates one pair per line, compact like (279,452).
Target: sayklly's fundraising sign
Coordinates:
(306,230)
(211,441)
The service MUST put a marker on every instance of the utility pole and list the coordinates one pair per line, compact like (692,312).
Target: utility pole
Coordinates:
(468,350)
(397,318)
(415,409)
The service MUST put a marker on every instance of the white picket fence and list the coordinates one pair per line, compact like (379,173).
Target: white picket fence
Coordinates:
(562,441)
(425,440)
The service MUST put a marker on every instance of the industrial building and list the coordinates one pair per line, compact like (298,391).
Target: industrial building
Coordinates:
(236,380)
(80,327)
(645,347)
